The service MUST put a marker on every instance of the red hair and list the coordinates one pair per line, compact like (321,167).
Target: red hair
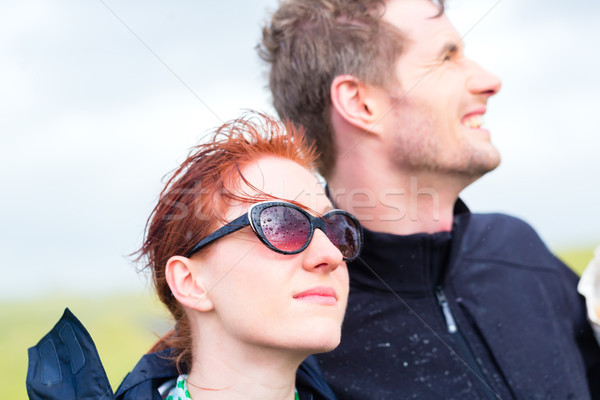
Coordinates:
(194,201)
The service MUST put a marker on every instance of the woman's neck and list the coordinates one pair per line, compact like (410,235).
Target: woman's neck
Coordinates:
(243,373)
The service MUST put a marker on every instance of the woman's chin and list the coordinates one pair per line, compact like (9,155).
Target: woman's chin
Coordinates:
(320,341)
(327,347)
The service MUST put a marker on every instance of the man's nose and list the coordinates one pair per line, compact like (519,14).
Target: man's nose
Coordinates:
(482,82)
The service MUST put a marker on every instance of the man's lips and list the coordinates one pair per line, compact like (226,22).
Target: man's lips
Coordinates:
(473,119)
(324,295)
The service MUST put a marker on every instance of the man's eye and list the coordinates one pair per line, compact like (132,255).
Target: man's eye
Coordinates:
(451,52)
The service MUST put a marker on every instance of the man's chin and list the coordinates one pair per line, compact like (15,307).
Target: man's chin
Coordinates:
(480,170)
(483,161)
(474,169)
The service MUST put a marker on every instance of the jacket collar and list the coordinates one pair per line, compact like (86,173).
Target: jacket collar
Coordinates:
(65,365)
(410,264)
(155,367)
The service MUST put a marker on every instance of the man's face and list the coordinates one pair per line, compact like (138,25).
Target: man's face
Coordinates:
(440,97)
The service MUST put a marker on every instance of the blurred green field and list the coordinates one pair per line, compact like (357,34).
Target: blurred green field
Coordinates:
(577,259)
(123,328)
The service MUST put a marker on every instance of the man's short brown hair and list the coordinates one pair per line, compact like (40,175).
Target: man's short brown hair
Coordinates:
(309,42)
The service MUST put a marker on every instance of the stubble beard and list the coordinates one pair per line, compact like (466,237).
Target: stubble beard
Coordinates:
(415,146)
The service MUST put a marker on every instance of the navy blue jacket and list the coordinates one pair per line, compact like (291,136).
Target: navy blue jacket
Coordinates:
(65,365)
(483,312)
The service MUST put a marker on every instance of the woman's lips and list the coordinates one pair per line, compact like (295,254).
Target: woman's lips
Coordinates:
(323,295)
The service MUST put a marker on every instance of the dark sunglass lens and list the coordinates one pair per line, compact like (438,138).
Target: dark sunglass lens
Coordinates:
(343,233)
(285,228)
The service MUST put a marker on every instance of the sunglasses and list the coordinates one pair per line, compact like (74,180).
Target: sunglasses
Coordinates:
(288,229)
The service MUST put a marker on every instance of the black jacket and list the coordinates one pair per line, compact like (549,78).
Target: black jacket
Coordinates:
(519,328)
(65,365)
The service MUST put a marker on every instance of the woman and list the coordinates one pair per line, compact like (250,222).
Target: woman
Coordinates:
(249,257)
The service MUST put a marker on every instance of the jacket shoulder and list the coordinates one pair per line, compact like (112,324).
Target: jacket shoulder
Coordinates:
(506,239)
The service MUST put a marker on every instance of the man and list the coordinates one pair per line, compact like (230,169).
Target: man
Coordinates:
(444,304)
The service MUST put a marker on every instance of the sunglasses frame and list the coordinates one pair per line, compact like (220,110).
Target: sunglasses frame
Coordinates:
(252,218)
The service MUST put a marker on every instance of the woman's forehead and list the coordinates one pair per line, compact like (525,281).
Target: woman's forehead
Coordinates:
(284,179)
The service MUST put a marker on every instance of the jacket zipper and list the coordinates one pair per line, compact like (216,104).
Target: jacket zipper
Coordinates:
(464,351)
(443,302)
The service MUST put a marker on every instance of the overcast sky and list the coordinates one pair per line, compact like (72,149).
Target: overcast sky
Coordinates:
(100,99)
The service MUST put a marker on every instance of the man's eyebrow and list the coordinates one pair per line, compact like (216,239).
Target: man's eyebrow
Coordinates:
(450,48)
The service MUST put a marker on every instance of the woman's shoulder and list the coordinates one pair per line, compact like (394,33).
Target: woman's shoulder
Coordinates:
(65,364)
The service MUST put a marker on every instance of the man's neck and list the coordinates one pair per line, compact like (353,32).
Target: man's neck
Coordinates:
(401,203)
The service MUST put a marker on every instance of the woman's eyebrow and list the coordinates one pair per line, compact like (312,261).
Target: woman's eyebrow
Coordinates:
(327,209)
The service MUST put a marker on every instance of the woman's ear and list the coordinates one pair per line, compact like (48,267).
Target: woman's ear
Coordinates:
(360,104)
(186,283)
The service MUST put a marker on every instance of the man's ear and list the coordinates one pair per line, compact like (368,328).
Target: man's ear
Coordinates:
(358,103)
(186,284)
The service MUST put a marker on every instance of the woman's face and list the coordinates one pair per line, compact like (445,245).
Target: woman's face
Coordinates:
(274,300)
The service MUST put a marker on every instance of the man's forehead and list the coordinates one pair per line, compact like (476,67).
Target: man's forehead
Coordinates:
(417,18)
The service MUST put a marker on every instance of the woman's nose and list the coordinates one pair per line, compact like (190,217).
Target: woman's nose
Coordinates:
(321,254)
